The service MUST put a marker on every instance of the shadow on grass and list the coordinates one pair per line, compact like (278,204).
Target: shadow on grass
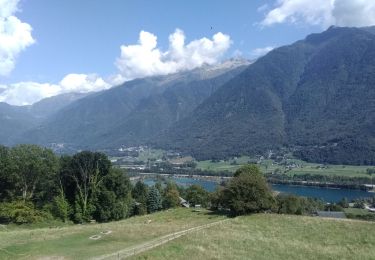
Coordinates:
(221,213)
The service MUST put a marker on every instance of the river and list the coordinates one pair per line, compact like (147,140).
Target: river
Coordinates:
(326,194)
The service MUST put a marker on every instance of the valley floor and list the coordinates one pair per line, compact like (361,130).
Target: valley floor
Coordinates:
(260,236)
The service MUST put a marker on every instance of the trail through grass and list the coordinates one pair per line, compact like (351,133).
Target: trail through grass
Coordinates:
(73,242)
(268,236)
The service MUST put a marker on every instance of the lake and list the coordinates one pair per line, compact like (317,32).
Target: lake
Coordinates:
(326,194)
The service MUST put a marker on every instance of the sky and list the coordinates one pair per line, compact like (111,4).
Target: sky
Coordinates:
(53,47)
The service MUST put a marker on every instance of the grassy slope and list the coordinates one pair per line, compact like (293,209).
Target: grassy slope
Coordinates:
(261,236)
(73,242)
(274,237)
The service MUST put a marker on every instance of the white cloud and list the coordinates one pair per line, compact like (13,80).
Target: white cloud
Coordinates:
(141,60)
(15,36)
(256,53)
(146,59)
(82,83)
(322,12)
(26,93)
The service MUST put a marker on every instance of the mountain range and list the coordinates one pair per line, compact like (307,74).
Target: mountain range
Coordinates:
(315,97)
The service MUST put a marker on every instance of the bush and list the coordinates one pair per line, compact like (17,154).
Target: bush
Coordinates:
(291,204)
(60,208)
(344,203)
(359,204)
(333,207)
(196,195)
(20,212)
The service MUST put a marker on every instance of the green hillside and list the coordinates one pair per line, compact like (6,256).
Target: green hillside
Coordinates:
(130,113)
(268,236)
(315,96)
(260,236)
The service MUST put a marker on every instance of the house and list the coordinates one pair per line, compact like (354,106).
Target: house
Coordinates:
(184,203)
(370,209)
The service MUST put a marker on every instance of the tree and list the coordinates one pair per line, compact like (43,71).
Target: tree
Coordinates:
(196,195)
(171,196)
(113,198)
(87,171)
(370,171)
(33,169)
(6,183)
(139,194)
(344,203)
(247,192)
(154,202)
(216,198)
(60,207)
(289,204)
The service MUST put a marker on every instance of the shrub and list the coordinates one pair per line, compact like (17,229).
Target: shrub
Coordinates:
(60,208)
(21,212)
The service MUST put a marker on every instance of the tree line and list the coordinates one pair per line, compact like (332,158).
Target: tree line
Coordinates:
(37,185)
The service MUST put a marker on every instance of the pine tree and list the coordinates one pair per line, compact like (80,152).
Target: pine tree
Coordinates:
(154,202)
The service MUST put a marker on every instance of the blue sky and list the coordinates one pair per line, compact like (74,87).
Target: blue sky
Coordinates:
(83,38)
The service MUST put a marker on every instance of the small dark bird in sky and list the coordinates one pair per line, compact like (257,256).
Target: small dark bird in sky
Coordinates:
(211,27)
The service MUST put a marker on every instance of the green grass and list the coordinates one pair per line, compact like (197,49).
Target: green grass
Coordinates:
(356,211)
(268,166)
(72,242)
(268,236)
(260,236)
(152,154)
(223,165)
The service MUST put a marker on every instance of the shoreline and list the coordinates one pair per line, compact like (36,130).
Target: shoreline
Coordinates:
(216,178)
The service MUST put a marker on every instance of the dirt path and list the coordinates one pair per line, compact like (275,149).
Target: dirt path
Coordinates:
(137,249)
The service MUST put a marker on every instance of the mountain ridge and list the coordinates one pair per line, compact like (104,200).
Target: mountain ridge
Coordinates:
(277,101)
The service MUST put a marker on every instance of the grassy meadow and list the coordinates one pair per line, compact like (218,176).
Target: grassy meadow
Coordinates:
(269,236)
(260,236)
(72,242)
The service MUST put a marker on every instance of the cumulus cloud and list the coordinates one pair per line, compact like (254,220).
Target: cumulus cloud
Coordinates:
(258,52)
(26,93)
(82,83)
(140,60)
(322,12)
(15,36)
(146,59)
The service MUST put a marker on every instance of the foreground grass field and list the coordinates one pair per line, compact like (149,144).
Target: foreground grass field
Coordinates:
(72,242)
(268,236)
(261,236)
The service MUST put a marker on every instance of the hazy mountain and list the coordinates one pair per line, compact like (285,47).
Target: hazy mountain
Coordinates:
(133,111)
(48,106)
(316,95)
(15,120)
(158,112)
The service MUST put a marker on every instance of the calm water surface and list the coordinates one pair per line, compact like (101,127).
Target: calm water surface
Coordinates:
(326,194)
